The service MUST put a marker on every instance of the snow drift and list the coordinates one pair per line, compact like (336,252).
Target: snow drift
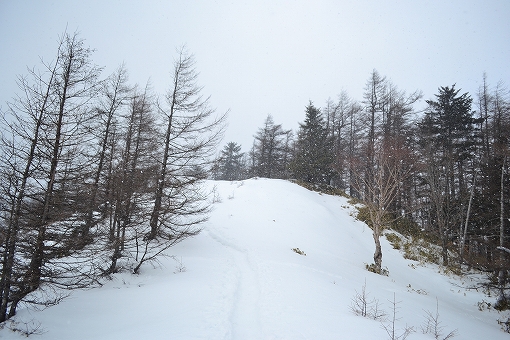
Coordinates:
(241,279)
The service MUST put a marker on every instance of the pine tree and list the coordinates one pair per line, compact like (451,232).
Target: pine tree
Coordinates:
(314,149)
(446,137)
(230,165)
(270,153)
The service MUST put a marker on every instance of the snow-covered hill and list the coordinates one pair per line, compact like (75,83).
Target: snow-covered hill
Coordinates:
(240,279)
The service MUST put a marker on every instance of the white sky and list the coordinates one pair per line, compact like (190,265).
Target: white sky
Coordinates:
(268,56)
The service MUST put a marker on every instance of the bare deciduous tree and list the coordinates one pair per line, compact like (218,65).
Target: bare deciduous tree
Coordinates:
(382,187)
(192,132)
(114,93)
(47,131)
(132,177)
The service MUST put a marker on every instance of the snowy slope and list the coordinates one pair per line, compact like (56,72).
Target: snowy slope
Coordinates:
(242,280)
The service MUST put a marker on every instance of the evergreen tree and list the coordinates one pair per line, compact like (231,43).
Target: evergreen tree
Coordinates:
(230,167)
(271,148)
(446,137)
(314,149)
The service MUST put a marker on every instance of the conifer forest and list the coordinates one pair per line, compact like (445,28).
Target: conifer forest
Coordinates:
(438,173)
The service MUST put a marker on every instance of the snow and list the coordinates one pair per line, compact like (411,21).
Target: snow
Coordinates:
(240,279)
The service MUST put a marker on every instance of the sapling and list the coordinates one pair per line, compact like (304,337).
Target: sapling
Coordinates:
(390,327)
(433,325)
(363,306)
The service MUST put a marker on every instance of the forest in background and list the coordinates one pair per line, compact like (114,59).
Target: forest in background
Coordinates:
(439,174)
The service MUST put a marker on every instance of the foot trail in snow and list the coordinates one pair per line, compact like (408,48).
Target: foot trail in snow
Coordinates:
(245,312)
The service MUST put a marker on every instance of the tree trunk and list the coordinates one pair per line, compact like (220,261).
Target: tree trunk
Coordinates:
(378,251)
(115,101)
(464,234)
(501,274)
(34,274)
(444,247)
(161,183)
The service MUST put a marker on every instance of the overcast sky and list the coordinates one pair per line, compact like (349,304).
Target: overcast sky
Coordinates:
(267,56)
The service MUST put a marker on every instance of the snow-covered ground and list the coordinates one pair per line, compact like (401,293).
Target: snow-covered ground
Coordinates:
(240,279)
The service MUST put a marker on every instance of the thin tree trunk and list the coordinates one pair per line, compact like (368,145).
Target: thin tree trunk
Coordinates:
(110,194)
(123,196)
(501,274)
(115,101)
(95,186)
(464,235)
(378,250)
(161,183)
(34,275)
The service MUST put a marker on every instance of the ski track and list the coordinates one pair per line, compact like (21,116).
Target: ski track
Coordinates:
(245,313)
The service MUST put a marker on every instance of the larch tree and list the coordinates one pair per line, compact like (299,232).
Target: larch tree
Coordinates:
(18,139)
(192,132)
(89,181)
(49,129)
(380,174)
(133,178)
(112,96)
(345,131)
(374,102)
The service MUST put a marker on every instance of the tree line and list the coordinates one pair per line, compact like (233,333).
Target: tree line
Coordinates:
(442,172)
(97,175)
